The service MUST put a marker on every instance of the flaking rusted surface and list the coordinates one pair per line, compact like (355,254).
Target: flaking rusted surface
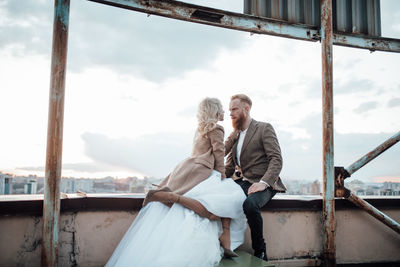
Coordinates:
(327,135)
(51,203)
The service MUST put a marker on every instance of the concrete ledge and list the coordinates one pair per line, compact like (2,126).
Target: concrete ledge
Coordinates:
(33,204)
(292,230)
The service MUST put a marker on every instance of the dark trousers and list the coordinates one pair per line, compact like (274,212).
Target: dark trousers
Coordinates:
(252,206)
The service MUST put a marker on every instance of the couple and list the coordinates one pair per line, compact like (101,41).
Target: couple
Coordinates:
(198,213)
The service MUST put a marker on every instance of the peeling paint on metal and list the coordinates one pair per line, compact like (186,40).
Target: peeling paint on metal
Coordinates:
(61,12)
(51,203)
(230,20)
(327,133)
(252,24)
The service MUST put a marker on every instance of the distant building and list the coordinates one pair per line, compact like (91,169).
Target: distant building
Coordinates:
(6,186)
(85,185)
(316,188)
(68,185)
(391,189)
(356,186)
(30,187)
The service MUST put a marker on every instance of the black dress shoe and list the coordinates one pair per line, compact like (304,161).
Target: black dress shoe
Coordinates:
(262,255)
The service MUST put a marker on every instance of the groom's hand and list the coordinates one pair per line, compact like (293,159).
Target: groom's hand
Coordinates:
(256,187)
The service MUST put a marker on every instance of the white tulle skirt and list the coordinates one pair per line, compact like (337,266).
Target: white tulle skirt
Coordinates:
(173,237)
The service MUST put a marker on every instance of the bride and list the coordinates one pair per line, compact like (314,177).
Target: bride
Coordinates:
(195,216)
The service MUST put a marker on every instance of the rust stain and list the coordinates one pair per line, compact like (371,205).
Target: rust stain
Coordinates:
(51,204)
(327,122)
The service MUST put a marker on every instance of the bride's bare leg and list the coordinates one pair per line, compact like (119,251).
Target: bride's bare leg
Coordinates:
(197,207)
(163,195)
(225,238)
(168,198)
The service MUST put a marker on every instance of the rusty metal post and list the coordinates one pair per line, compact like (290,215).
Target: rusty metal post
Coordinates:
(374,212)
(327,133)
(51,204)
(373,154)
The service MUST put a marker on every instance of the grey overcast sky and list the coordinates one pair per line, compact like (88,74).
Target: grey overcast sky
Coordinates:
(134,82)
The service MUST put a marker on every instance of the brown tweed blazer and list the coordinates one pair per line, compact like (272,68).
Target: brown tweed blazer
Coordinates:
(207,154)
(260,156)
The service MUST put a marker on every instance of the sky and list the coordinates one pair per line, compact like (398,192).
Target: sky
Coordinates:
(134,82)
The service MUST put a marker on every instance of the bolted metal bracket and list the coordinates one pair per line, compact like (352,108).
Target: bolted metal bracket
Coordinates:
(340,175)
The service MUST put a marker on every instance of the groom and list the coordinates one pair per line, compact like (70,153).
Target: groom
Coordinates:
(254,161)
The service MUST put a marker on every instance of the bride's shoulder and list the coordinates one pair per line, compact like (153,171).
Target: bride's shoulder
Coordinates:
(220,128)
(216,132)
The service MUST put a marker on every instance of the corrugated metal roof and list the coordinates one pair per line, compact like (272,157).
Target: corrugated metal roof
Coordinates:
(351,16)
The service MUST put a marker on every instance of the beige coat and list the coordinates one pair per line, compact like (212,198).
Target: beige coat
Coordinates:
(207,154)
(260,157)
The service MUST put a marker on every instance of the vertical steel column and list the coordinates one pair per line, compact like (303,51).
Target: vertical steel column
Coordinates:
(327,133)
(51,205)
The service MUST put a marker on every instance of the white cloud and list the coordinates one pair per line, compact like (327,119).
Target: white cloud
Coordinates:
(367,106)
(154,154)
(394,102)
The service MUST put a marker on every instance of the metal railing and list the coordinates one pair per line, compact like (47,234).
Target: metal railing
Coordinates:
(343,173)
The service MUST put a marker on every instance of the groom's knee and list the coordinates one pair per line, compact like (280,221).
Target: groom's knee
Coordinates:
(250,206)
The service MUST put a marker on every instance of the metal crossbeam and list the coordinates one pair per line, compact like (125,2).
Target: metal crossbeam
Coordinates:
(374,212)
(242,22)
(216,17)
(373,154)
(342,174)
(367,42)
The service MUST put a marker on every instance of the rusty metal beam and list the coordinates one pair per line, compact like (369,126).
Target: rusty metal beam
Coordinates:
(373,154)
(327,133)
(374,212)
(216,17)
(367,42)
(341,191)
(238,21)
(51,205)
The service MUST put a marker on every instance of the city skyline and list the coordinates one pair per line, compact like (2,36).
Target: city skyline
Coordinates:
(17,185)
(134,82)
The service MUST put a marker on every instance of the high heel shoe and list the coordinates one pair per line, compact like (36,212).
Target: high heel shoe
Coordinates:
(225,241)
(151,192)
(229,253)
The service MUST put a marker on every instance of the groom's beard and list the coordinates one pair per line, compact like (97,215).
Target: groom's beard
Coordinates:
(237,124)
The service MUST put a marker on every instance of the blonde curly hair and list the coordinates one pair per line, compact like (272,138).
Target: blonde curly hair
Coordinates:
(207,115)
